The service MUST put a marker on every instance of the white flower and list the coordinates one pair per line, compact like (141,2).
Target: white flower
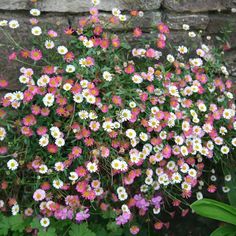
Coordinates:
(67,86)
(202,107)
(43,141)
(120,190)
(170,58)
(48,99)
(3,23)
(185,126)
(186,27)
(116,12)
(116,164)
(57,183)
(199,195)
(182,49)
(132,104)
(148,180)
(123,196)
(73,176)
(156,210)
(184,150)
(12,164)
(24,79)
(176,177)
(200,52)
(88,43)
(49,44)
(60,142)
(36,30)
(192,172)
(62,50)
(13,24)
(43,169)
(122,17)
(35,12)
(196,61)
(125,114)
(78,98)
(143,136)
(173,90)
(45,222)
(91,99)
(59,166)
(185,186)
(107,76)
(228,113)
(15,209)
(92,167)
(153,122)
(225,189)
(1,203)
(228,178)
(233,142)
(3,133)
(83,115)
(184,168)
(224,149)
(108,126)
(70,68)
(95,2)
(191,34)
(137,79)
(130,133)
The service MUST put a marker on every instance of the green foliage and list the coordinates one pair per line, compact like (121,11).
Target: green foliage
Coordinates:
(215,210)
(4,225)
(218,211)
(50,232)
(229,168)
(226,230)
(81,229)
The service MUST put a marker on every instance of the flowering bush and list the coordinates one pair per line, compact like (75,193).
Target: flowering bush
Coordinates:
(104,129)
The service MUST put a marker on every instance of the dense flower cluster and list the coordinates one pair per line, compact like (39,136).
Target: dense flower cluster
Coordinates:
(91,131)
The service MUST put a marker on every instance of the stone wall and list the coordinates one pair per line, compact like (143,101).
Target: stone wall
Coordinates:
(209,16)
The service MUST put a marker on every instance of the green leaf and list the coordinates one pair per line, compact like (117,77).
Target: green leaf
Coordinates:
(215,210)
(82,229)
(226,230)
(4,225)
(35,224)
(109,214)
(17,223)
(50,232)
(230,169)
(114,228)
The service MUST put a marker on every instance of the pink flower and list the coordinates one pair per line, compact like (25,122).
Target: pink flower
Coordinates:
(39,195)
(82,215)
(137,32)
(166,152)
(129,69)
(36,55)
(12,56)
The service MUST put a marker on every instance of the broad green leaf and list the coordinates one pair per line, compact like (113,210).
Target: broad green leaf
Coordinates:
(230,169)
(109,214)
(114,228)
(81,229)
(50,232)
(226,230)
(35,224)
(4,225)
(215,210)
(17,223)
